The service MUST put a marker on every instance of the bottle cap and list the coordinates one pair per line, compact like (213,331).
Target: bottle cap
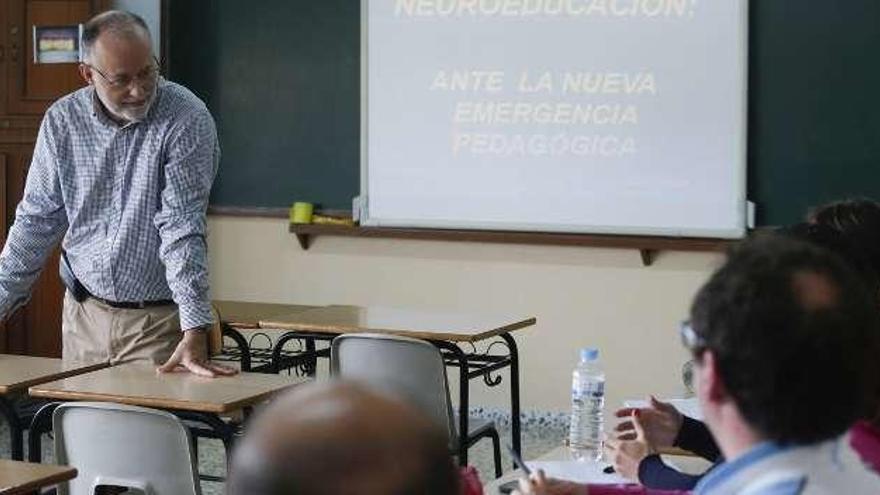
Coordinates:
(589,354)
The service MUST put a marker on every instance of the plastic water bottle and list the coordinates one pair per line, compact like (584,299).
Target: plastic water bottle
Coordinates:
(587,403)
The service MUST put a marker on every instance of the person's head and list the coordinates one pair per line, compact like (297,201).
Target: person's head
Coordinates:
(339,437)
(782,334)
(118,61)
(858,220)
(840,244)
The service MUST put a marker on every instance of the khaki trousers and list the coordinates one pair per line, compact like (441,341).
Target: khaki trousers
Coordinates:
(93,332)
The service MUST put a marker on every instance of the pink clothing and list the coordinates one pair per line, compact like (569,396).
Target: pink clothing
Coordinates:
(632,489)
(863,437)
(470,481)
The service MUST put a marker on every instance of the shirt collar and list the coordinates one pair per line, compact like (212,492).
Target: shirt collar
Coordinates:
(725,472)
(98,112)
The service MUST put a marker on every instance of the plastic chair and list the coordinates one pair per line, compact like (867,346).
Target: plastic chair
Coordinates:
(144,450)
(412,369)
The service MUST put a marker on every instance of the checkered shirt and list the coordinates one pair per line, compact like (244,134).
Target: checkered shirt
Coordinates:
(129,201)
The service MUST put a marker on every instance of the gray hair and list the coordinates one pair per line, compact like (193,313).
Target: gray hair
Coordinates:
(117,22)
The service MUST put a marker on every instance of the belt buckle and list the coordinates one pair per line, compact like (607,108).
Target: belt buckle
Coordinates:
(141,304)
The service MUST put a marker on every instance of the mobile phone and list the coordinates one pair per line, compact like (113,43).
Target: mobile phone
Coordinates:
(509,486)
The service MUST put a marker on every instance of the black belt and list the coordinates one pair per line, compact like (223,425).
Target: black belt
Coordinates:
(133,304)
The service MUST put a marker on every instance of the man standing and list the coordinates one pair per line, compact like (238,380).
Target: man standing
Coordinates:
(122,170)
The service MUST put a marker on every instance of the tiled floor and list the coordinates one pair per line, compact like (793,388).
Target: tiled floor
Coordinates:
(541,433)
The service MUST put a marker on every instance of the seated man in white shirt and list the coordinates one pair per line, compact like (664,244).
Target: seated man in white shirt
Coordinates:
(782,336)
(785,346)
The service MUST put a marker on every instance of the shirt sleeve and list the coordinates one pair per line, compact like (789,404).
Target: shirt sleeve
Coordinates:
(40,221)
(654,473)
(695,437)
(192,157)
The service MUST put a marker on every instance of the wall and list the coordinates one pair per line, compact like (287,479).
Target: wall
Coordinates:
(581,296)
(149,10)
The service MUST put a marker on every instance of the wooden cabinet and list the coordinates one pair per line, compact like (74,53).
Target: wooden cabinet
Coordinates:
(31,87)
(36,328)
(26,91)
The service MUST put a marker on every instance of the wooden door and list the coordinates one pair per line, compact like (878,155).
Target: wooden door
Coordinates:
(34,329)
(26,91)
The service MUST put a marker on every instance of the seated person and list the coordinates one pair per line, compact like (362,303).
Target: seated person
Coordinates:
(781,326)
(858,221)
(665,427)
(338,437)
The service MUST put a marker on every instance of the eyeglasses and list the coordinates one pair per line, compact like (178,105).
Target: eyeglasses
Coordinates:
(690,339)
(147,76)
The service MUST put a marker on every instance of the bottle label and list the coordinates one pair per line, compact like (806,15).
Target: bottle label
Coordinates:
(588,389)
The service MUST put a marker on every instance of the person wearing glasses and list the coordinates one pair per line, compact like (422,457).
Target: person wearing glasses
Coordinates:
(121,174)
(784,338)
(845,228)
(848,228)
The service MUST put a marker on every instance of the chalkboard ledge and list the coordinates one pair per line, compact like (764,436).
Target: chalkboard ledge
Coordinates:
(248,211)
(648,246)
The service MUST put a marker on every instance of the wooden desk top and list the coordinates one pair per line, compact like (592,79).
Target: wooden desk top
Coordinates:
(20,372)
(429,325)
(141,385)
(241,314)
(24,477)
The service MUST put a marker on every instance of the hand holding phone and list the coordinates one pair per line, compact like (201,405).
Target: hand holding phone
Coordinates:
(518,460)
(514,484)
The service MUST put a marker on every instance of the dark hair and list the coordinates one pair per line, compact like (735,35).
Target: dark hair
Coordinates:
(858,220)
(794,336)
(115,21)
(839,244)
(332,469)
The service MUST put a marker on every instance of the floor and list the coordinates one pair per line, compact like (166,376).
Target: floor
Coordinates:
(541,433)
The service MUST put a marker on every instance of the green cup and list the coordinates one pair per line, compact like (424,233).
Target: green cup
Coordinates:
(301,212)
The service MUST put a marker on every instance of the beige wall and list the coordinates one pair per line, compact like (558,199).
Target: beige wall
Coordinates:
(581,296)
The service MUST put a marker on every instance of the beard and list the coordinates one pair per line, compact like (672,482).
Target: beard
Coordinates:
(129,112)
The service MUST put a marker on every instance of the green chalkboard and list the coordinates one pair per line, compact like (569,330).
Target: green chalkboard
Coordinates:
(282,79)
(814,127)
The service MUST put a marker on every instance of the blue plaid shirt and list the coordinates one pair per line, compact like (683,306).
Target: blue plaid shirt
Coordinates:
(131,199)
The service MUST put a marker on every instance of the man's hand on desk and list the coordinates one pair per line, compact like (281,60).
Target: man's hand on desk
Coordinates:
(192,354)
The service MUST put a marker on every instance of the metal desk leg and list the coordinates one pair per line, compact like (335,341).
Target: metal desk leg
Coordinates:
(308,360)
(463,398)
(514,394)
(278,349)
(311,364)
(242,344)
(40,424)
(217,429)
(16,432)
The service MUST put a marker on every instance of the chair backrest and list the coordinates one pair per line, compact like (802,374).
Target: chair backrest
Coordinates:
(408,368)
(118,445)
